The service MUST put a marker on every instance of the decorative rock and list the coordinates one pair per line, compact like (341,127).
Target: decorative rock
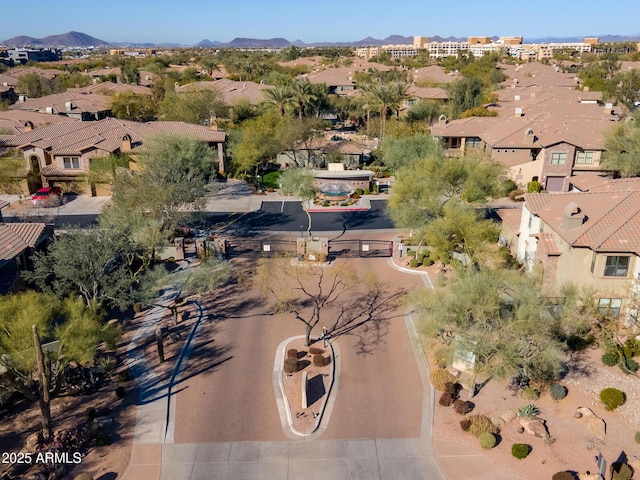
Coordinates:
(597,427)
(103,421)
(589,476)
(577,415)
(534,426)
(33,440)
(508,416)
(497,421)
(586,412)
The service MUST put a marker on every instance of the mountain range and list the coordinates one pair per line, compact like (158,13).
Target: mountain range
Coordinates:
(82,40)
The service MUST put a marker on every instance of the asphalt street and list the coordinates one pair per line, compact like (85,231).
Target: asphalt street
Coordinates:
(290,217)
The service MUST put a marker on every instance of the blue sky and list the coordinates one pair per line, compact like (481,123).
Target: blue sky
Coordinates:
(189,21)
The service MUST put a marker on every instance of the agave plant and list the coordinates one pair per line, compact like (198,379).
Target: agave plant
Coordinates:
(529,411)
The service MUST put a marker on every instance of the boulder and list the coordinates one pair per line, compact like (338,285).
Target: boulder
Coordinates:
(33,440)
(597,427)
(508,416)
(103,421)
(586,412)
(497,421)
(534,426)
(588,476)
(594,424)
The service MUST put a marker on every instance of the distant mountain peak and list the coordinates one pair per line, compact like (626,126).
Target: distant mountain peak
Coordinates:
(69,39)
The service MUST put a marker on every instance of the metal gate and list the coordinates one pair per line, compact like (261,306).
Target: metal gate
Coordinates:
(361,248)
(252,247)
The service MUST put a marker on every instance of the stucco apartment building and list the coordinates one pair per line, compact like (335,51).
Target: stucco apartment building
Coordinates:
(61,154)
(588,239)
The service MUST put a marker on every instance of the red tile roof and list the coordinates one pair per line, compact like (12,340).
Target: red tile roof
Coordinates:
(612,220)
(15,238)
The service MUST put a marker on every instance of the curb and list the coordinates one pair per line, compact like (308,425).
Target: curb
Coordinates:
(283,404)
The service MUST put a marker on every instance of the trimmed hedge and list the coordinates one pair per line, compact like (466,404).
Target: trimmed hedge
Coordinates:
(479,424)
(292,353)
(612,398)
(520,450)
(439,378)
(462,406)
(557,391)
(563,476)
(487,440)
(291,365)
(320,360)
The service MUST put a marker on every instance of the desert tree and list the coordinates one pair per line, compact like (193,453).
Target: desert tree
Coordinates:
(313,294)
(29,319)
(622,143)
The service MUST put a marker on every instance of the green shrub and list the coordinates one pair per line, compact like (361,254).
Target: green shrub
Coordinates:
(137,307)
(520,450)
(479,424)
(359,191)
(612,398)
(439,378)
(90,413)
(629,365)
(531,393)
(563,476)
(315,350)
(462,406)
(515,193)
(366,191)
(292,353)
(637,437)
(534,187)
(576,344)
(103,439)
(487,440)
(610,358)
(120,392)
(632,347)
(558,392)
(427,262)
(411,253)
(413,263)
(83,476)
(291,365)
(529,411)
(320,360)
(621,471)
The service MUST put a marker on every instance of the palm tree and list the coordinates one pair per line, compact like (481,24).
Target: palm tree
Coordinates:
(302,93)
(280,97)
(400,94)
(381,96)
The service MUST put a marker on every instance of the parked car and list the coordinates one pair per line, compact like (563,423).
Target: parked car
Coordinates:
(47,197)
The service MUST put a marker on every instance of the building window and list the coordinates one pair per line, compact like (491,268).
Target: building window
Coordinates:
(558,158)
(71,162)
(616,266)
(584,158)
(473,142)
(610,306)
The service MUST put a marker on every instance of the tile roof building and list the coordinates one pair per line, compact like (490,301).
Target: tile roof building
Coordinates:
(232,91)
(588,239)
(81,106)
(18,241)
(62,153)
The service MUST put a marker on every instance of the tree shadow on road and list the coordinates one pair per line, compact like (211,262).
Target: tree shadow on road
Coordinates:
(367,317)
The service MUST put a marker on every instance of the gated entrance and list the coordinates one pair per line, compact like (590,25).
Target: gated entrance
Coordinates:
(361,248)
(252,247)
(266,247)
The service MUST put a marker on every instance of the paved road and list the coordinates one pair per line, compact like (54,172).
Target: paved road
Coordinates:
(227,394)
(289,217)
